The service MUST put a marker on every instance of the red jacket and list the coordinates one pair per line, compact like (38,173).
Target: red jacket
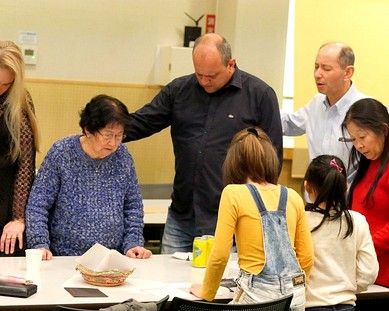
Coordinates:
(377,215)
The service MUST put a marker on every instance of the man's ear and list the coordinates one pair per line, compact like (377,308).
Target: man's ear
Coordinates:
(349,71)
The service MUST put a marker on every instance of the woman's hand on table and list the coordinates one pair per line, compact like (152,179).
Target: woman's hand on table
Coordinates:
(12,232)
(47,255)
(196,290)
(138,252)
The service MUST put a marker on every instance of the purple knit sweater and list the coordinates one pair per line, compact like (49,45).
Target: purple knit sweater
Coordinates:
(77,201)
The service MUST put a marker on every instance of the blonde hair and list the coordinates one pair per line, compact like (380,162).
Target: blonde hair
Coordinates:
(18,99)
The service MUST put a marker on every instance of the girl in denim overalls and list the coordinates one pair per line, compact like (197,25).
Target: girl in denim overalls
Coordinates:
(281,273)
(268,239)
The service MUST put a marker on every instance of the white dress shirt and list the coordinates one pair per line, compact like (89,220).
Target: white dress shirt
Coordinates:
(322,124)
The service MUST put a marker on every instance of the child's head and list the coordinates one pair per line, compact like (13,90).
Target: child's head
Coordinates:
(251,155)
(326,182)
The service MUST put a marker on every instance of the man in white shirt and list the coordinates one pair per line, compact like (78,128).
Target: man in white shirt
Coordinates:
(322,117)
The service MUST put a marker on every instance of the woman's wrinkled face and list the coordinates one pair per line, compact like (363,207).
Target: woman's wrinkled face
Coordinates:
(106,140)
(368,143)
(6,80)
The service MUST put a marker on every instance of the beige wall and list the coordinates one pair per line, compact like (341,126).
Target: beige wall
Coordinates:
(257,33)
(362,24)
(100,40)
(57,104)
(112,49)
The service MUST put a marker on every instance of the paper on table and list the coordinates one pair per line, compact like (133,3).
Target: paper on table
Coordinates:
(172,289)
(183,255)
(234,268)
(99,258)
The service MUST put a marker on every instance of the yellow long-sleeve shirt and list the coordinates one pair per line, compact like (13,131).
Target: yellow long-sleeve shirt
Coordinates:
(239,215)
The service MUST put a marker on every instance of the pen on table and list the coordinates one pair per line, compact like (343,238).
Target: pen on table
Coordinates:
(14,280)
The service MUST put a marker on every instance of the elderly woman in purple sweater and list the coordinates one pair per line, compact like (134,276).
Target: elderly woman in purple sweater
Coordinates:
(86,190)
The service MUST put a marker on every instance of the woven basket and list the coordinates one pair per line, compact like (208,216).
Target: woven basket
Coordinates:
(104,278)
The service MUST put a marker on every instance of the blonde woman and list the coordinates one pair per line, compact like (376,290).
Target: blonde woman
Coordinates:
(18,145)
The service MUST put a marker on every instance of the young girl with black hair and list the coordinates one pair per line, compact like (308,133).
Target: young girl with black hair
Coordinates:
(345,260)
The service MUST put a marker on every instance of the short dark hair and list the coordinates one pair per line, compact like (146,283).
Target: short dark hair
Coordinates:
(101,111)
(221,44)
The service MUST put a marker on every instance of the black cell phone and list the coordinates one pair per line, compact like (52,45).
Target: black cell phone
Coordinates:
(229,282)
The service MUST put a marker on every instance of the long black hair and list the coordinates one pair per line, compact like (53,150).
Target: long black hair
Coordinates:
(326,176)
(369,114)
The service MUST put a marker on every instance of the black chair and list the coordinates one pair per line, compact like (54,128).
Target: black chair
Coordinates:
(160,306)
(65,308)
(281,304)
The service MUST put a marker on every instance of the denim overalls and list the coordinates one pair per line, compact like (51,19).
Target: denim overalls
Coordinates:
(281,273)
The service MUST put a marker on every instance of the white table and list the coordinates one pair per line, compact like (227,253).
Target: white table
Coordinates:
(155,211)
(153,279)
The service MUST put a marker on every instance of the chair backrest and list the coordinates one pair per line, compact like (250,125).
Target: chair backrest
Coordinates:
(160,305)
(281,304)
(65,308)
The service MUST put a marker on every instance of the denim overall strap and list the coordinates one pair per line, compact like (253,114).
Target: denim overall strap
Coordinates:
(258,199)
(280,260)
(283,198)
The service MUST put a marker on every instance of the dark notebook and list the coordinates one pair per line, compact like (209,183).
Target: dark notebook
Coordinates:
(17,290)
(85,292)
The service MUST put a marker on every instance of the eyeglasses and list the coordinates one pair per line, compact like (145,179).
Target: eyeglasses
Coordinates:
(108,137)
(345,140)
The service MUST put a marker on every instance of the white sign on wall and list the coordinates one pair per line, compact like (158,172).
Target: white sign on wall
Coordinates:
(28,41)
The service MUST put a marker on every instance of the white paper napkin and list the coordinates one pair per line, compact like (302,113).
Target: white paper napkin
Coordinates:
(183,255)
(99,258)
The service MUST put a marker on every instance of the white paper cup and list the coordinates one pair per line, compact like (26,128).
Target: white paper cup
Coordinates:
(33,260)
